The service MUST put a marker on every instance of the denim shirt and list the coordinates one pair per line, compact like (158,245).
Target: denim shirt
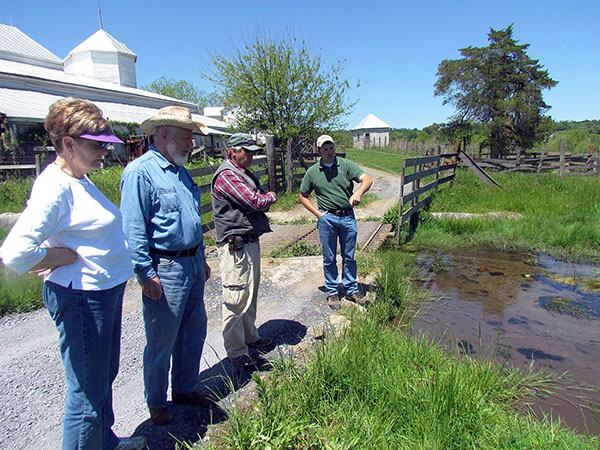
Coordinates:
(160,204)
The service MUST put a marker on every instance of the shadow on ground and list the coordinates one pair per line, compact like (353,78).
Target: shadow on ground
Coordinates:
(190,423)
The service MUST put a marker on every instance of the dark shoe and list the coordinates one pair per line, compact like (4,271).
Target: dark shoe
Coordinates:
(334,301)
(161,416)
(193,398)
(243,361)
(131,443)
(356,297)
(262,342)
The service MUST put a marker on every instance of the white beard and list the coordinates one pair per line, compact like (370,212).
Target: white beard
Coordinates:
(178,159)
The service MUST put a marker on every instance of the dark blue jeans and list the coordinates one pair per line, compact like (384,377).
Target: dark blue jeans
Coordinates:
(89,328)
(175,328)
(332,229)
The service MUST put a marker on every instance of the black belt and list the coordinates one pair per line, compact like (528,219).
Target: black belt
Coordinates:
(339,212)
(176,253)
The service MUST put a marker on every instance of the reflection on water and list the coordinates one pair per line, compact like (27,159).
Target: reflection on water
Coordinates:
(541,310)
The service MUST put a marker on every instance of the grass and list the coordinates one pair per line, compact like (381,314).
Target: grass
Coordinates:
(14,193)
(375,386)
(378,159)
(560,215)
(296,249)
(18,293)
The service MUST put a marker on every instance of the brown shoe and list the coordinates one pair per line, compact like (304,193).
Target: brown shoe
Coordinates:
(193,398)
(334,301)
(356,297)
(161,416)
(243,361)
(262,342)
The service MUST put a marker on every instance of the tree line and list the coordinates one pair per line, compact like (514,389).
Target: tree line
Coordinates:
(280,86)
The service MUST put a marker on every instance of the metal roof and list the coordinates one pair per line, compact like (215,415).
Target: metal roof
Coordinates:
(102,41)
(17,46)
(31,106)
(371,121)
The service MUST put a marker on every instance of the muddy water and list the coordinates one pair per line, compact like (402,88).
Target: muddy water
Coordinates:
(539,310)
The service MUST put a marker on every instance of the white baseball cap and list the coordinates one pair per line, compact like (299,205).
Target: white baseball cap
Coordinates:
(323,139)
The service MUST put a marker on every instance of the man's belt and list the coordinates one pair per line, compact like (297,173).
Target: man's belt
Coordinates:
(339,212)
(176,253)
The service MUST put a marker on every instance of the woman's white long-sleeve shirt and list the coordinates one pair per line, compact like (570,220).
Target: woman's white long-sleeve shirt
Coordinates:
(63,211)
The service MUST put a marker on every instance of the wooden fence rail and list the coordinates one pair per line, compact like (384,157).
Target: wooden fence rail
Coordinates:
(206,206)
(422,168)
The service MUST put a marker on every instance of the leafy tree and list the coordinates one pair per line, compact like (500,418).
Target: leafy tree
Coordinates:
(182,90)
(499,85)
(281,87)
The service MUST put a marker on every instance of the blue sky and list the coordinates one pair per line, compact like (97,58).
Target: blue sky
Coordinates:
(392,47)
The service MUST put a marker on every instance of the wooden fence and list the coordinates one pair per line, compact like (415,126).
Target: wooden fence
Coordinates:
(421,168)
(562,162)
(287,166)
(206,206)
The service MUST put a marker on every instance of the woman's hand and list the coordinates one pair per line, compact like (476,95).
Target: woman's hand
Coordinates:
(55,257)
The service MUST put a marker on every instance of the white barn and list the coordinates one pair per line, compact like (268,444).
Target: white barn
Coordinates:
(100,69)
(371,132)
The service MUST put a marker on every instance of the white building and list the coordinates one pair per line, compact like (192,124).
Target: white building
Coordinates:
(371,132)
(100,69)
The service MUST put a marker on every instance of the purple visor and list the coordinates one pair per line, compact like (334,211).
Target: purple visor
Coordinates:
(102,138)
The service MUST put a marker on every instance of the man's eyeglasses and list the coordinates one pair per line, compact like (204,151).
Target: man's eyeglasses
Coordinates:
(248,142)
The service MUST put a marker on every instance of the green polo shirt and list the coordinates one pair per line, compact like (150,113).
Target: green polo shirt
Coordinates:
(332,185)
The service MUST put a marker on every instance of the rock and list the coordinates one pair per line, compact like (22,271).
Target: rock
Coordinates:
(7,220)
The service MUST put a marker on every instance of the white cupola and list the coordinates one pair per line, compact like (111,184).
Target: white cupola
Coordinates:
(104,58)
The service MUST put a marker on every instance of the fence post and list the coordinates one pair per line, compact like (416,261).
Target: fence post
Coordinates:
(270,149)
(562,158)
(289,163)
(401,203)
(537,174)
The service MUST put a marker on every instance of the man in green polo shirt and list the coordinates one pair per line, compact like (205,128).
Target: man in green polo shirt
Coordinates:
(332,179)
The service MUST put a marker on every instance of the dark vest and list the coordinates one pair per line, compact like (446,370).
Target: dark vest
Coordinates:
(229,217)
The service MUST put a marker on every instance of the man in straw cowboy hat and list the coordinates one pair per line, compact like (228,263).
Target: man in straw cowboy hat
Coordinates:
(239,204)
(160,204)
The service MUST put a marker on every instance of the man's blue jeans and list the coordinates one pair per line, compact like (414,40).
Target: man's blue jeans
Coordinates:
(175,328)
(331,229)
(89,327)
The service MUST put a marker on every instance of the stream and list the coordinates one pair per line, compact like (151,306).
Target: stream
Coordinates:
(527,310)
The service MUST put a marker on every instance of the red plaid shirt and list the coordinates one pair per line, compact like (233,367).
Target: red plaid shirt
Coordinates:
(230,186)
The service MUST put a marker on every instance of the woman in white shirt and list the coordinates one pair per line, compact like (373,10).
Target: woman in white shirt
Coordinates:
(72,235)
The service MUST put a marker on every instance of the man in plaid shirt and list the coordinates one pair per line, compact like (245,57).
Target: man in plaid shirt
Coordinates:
(239,206)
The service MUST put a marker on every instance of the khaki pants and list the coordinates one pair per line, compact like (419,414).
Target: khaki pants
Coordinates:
(240,274)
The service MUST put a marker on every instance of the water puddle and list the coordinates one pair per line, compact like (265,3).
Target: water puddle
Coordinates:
(541,310)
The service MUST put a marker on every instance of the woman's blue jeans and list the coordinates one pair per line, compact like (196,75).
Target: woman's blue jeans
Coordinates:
(89,328)
(175,328)
(331,229)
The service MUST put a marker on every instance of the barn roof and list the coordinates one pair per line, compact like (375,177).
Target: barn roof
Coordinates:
(104,42)
(17,46)
(371,121)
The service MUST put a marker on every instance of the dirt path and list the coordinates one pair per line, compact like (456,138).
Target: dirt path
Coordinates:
(386,187)
(32,378)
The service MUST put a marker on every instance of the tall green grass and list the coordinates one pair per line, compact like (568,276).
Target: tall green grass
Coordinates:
(561,216)
(375,386)
(14,193)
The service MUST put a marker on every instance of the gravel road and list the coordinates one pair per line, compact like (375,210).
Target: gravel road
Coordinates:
(32,377)
(31,372)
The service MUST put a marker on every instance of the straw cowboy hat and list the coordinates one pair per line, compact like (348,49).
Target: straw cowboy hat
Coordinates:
(173,116)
